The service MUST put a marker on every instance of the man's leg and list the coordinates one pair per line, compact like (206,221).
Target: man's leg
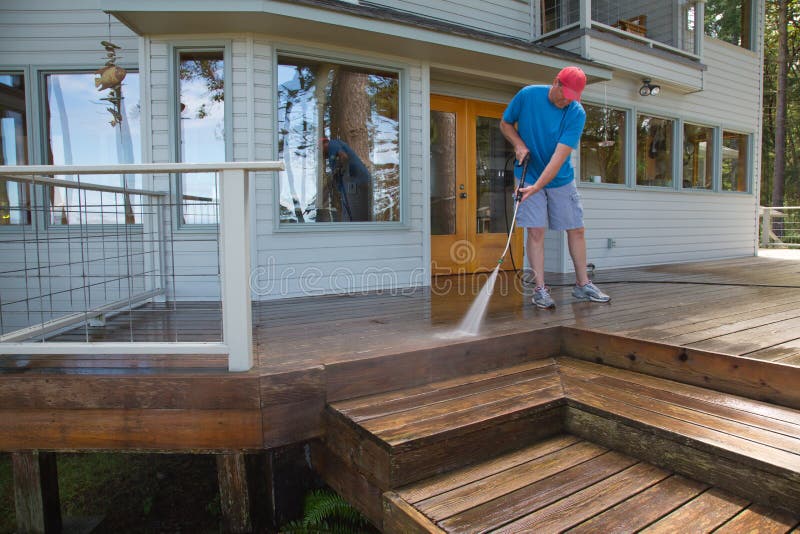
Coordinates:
(535,249)
(577,249)
(576,239)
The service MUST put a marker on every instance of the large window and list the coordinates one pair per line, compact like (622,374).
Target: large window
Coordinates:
(201,101)
(698,157)
(603,145)
(729,20)
(654,151)
(14,201)
(734,161)
(339,136)
(79,132)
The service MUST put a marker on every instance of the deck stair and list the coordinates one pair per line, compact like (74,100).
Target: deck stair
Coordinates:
(558,444)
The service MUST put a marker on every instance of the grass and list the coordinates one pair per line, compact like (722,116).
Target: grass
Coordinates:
(132,492)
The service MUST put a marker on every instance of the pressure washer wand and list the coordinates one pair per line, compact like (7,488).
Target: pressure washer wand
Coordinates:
(517,201)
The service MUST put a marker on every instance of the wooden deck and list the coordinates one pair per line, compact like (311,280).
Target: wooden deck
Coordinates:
(745,307)
(722,335)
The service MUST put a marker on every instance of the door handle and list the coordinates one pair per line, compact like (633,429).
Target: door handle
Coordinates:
(462,195)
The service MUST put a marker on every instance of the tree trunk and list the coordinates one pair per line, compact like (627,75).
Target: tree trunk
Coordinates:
(350,110)
(780,114)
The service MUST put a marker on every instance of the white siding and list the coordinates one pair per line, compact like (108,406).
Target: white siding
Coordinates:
(503,17)
(59,33)
(651,226)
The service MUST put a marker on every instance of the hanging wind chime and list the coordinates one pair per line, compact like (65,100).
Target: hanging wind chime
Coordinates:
(109,77)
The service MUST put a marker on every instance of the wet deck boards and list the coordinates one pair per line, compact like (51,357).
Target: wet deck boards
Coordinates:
(566,484)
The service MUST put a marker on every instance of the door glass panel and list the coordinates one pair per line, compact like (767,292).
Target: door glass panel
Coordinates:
(495,178)
(443,173)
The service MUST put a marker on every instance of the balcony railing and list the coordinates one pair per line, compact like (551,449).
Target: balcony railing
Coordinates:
(74,252)
(666,25)
(780,227)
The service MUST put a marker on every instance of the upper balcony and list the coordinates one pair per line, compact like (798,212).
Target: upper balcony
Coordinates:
(652,39)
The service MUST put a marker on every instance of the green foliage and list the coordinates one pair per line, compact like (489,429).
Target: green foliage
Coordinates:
(325,512)
(792,173)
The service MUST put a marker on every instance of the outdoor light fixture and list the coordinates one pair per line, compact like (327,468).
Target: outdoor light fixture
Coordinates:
(649,89)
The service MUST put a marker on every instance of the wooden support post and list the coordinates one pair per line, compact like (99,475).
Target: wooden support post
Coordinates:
(36,492)
(234,493)
(288,477)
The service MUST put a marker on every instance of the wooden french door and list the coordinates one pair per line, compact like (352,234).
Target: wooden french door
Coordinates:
(471,188)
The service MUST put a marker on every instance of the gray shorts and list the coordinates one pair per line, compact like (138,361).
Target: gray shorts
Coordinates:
(559,207)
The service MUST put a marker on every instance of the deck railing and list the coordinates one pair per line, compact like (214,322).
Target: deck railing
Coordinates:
(780,226)
(74,252)
(667,26)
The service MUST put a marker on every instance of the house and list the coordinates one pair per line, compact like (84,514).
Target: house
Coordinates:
(668,165)
(262,149)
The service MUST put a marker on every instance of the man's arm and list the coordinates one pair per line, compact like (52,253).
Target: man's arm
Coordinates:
(556,161)
(510,133)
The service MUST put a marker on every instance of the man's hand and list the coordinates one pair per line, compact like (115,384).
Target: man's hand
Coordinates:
(528,191)
(521,152)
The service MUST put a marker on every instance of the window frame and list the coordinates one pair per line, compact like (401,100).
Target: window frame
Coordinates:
(364,62)
(715,163)
(174,50)
(677,138)
(750,146)
(40,73)
(625,161)
(31,131)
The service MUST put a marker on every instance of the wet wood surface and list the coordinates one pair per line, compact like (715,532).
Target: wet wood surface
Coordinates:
(745,306)
(564,484)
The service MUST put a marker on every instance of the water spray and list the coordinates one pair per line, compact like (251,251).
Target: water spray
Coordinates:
(472,321)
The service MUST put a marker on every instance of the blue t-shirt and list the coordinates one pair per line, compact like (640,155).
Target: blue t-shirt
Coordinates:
(358,171)
(542,126)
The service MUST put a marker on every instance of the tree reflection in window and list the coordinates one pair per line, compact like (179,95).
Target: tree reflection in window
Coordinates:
(734,161)
(14,196)
(603,145)
(698,157)
(654,151)
(202,131)
(340,140)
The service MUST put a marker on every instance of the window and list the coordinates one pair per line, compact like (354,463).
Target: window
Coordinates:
(654,151)
(201,102)
(79,133)
(698,157)
(14,199)
(339,136)
(735,163)
(603,145)
(729,20)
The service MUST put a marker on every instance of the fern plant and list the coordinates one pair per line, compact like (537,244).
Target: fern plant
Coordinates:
(326,512)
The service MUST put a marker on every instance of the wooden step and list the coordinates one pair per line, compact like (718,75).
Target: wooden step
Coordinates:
(403,436)
(745,446)
(568,484)
(413,442)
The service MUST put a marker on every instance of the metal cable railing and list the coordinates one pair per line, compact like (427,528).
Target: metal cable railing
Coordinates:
(780,226)
(88,268)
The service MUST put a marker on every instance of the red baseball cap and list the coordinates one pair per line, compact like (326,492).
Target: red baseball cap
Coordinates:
(573,80)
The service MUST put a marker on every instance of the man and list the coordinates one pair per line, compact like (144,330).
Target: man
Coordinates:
(549,121)
(351,178)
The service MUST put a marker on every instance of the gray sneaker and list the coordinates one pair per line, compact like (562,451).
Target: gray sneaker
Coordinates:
(541,297)
(589,292)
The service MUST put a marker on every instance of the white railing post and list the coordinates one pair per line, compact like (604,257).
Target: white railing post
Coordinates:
(766,226)
(234,246)
(699,28)
(585,14)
